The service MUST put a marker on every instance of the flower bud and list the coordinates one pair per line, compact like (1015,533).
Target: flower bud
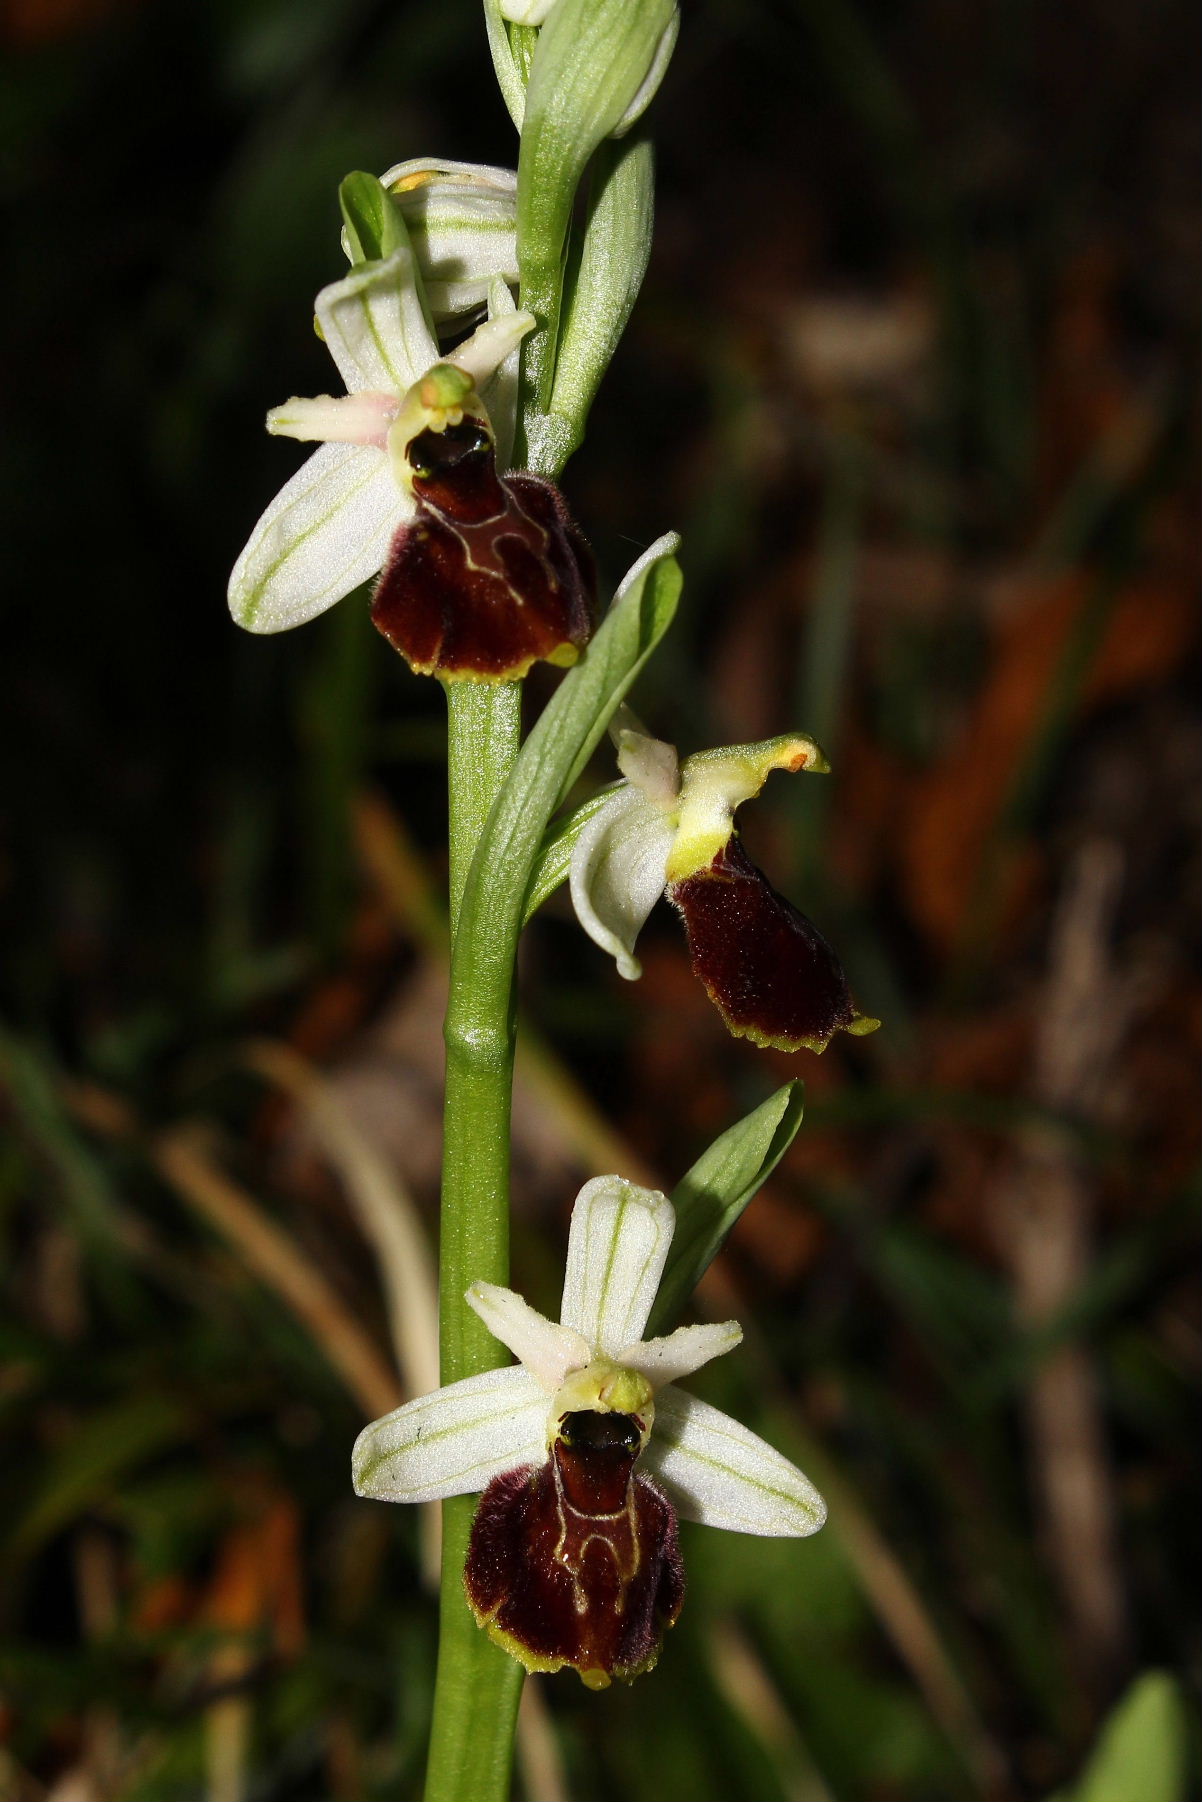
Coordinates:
(461,219)
(596,65)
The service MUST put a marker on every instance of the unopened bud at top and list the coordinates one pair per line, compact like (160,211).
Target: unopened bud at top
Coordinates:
(460,219)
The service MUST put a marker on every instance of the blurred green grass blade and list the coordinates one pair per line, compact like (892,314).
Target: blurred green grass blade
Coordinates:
(103,1449)
(30,1081)
(336,701)
(710,1198)
(1142,1754)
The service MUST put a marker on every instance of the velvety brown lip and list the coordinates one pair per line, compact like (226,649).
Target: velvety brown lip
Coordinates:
(491,575)
(576,1562)
(768,970)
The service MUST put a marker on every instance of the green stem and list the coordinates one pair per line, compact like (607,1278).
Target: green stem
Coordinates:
(484,730)
(477,1687)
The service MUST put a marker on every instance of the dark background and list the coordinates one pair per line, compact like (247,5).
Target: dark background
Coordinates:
(914,374)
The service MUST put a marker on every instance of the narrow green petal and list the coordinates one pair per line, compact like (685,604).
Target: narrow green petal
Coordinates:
(680,1353)
(715,783)
(548,1351)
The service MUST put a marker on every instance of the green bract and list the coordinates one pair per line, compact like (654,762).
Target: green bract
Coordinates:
(596,67)
(602,287)
(710,1197)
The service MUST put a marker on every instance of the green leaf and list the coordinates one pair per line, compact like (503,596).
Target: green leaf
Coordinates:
(555,853)
(561,743)
(710,1198)
(373,223)
(1141,1755)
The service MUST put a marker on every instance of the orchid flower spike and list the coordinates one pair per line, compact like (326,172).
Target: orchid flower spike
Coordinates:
(669,830)
(586,1452)
(482,573)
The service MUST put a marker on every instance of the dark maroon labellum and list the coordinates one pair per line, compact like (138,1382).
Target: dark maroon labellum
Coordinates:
(576,1562)
(768,970)
(491,575)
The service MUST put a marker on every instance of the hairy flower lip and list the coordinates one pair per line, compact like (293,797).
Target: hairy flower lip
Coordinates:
(765,966)
(577,1563)
(491,575)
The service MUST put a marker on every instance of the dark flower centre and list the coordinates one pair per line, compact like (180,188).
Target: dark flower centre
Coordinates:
(595,1454)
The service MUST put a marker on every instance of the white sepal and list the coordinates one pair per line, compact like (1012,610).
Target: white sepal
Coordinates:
(617,873)
(617,1244)
(649,763)
(454,1441)
(548,1351)
(375,326)
(719,1473)
(680,1353)
(326,531)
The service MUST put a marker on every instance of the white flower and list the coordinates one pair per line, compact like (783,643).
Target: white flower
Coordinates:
(463,1436)
(669,830)
(330,527)
(663,825)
